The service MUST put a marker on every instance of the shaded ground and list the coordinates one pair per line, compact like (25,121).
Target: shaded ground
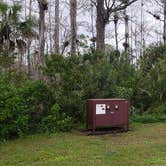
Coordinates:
(145,145)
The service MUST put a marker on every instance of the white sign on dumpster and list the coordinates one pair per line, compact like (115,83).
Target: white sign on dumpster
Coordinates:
(100,109)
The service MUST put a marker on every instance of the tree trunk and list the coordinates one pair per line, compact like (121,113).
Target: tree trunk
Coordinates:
(126,44)
(92,27)
(164,33)
(25,2)
(100,26)
(116,29)
(29,42)
(142,29)
(104,10)
(135,42)
(57,23)
(50,49)
(42,8)
(131,41)
(73,24)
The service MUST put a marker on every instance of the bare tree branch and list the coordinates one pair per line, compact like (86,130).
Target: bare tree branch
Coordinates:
(122,6)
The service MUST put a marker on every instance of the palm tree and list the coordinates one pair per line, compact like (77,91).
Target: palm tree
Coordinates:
(13,32)
(7,45)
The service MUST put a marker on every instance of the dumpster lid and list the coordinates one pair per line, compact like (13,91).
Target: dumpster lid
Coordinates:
(108,99)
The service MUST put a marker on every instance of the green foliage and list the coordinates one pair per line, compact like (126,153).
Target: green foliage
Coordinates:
(66,75)
(77,78)
(6,59)
(94,75)
(28,108)
(38,99)
(3,8)
(56,121)
(13,113)
(14,33)
(150,88)
(157,109)
(15,9)
(148,118)
(123,92)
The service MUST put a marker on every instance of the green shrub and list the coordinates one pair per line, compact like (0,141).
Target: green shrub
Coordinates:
(150,87)
(38,99)
(77,78)
(29,109)
(157,109)
(123,92)
(147,118)
(14,115)
(56,121)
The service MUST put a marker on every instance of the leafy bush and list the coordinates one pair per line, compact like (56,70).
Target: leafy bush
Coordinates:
(157,109)
(77,78)
(56,121)
(150,86)
(148,118)
(14,115)
(123,92)
(38,99)
(29,109)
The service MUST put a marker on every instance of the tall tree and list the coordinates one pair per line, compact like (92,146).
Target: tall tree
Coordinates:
(49,28)
(116,18)
(100,25)
(104,11)
(126,19)
(164,33)
(57,25)
(73,24)
(43,5)
(29,41)
(13,30)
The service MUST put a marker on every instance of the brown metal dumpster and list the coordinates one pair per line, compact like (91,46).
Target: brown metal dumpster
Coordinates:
(107,113)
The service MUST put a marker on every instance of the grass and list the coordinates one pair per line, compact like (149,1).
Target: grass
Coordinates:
(144,145)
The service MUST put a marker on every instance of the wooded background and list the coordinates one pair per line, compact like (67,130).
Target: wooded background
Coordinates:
(69,27)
